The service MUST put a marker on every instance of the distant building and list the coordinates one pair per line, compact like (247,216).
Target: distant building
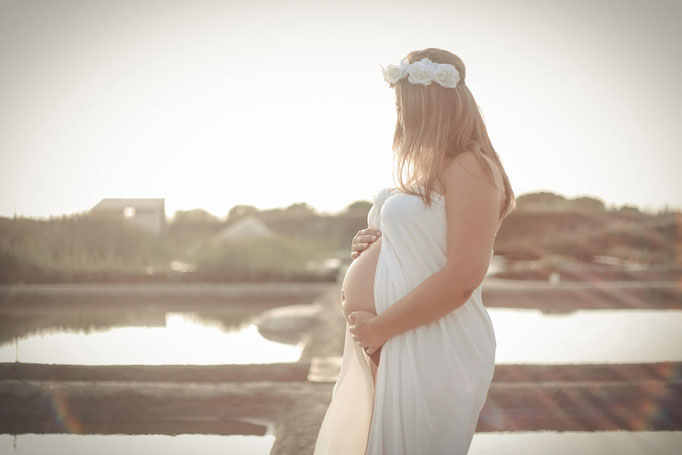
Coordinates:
(248,226)
(149,214)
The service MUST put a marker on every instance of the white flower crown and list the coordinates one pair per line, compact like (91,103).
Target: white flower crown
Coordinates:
(422,72)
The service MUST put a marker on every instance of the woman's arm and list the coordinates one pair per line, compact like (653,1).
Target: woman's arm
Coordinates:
(472,206)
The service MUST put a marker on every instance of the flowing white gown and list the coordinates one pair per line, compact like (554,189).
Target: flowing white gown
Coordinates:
(432,381)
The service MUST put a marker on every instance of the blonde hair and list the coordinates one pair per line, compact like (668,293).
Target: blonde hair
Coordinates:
(436,123)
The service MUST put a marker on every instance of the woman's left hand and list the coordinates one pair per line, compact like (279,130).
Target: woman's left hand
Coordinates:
(363,331)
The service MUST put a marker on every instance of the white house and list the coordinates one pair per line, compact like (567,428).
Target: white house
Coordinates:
(149,214)
(246,227)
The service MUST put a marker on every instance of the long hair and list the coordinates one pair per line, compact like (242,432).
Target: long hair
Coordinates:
(436,123)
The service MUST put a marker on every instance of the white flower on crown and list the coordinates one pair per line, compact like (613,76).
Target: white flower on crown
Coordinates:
(422,72)
(446,75)
(392,73)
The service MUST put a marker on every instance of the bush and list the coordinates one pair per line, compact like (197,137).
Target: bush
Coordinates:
(278,256)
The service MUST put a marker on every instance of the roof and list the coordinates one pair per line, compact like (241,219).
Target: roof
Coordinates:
(249,226)
(138,203)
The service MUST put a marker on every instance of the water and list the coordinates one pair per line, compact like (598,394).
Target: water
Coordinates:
(72,444)
(154,324)
(587,336)
(185,339)
(523,336)
(108,325)
(499,443)
(573,442)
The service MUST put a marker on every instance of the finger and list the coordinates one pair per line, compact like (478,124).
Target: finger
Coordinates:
(359,246)
(369,238)
(354,254)
(365,234)
(358,240)
(368,231)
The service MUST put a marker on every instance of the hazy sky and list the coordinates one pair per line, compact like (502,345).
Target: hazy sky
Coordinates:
(213,104)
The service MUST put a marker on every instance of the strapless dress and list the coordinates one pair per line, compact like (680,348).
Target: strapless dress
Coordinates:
(432,381)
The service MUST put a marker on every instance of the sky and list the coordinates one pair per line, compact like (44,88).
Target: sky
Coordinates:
(212,104)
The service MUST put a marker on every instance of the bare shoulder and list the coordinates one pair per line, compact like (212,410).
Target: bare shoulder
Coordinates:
(466,169)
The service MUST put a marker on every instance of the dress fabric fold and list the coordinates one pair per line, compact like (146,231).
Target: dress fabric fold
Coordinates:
(433,380)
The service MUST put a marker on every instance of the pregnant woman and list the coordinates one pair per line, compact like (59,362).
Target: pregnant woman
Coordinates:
(419,352)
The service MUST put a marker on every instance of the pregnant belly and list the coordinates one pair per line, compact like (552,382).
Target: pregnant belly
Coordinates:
(357,290)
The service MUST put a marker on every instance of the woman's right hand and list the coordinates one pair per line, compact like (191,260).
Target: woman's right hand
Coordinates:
(362,240)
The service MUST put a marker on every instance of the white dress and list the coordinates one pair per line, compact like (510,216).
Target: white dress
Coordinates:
(433,380)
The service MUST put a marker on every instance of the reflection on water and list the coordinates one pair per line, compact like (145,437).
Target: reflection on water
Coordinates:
(523,336)
(587,336)
(71,444)
(573,442)
(185,339)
